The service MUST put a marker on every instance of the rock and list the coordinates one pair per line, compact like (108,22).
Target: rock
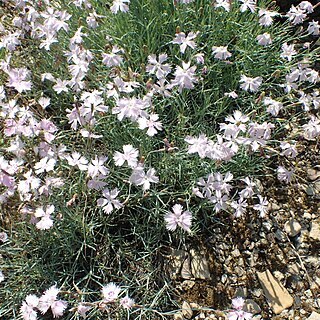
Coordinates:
(280,235)
(277,295)
(187,285)
(236,253)
(273,206)
(279,275)
(177,259)
(241,292)
(313,174)
(309,190)
(224,278)
(178,316)
(314,316)
(315,231)
(186,310)
(251,306)
(186,269)
(292,227)
(307,215)
(317,186)
(199,266)
(194,306)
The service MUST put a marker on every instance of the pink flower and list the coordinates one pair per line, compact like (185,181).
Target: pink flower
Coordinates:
(158,67)
(58,307)
(127,302)
(110,292)
(262,207)
(238,313)
(184,41)
(140,177)
(45,221)
(221,53)
(120,5)
(185,77)
(284,174)
(109,201)
(112,59)
(250,84)
(152,124)
(130,154)
(178,218)
(264,39)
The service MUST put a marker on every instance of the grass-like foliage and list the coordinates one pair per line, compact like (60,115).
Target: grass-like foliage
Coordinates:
(128,128)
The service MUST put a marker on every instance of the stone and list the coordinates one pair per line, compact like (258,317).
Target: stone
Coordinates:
(280,235)
(314,316)
(277,295)
(178,316)
(251,306)
(177,259)
(186,310)
(313,174)
(186,269)
(317,186)
(315,231)
(241,292)
(292,227)
(307,215)
(199,265)
(272,206)
(187,285)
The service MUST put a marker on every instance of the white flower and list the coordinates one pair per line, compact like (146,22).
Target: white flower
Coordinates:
(112,59)
(152,124)
(1,276)
(185,76)
(240,207)
(130,154)
(139,177)
(284,174)
(58,307)
(178,218)
(77,160)
(96,167)
(250,84)
(184,41)
(3,237)
(288,150)
(120,5)
(44,165)
(45,221)
(225,4)
(110,292)
(264,39)
(127,302)
(296,15)
(158,67)
(109,201)
(198,145)
(288,51)
(312,128)
(266,17)
(47,299)
(221,53)
(274,106)
(314,28)
(262,207)
(248,4)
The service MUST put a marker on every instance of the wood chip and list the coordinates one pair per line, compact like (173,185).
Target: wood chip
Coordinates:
(277,295)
